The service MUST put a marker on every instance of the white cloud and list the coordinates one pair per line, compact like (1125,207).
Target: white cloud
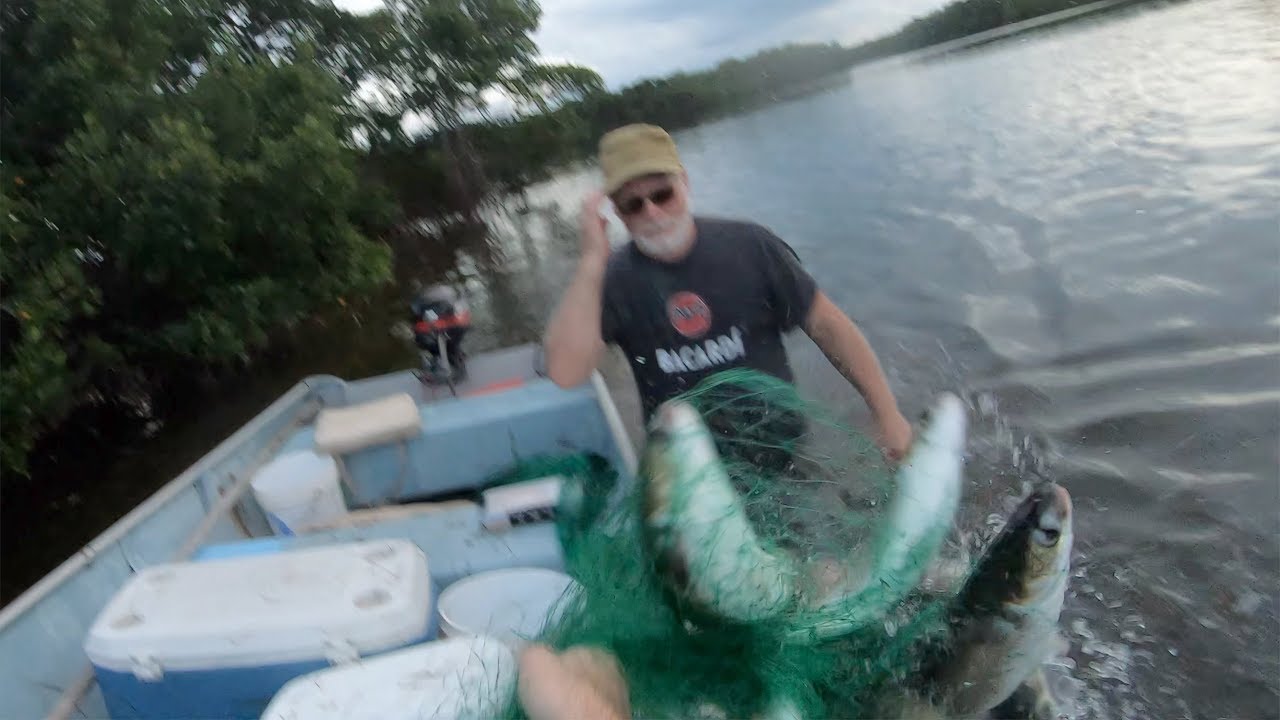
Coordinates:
(626,40)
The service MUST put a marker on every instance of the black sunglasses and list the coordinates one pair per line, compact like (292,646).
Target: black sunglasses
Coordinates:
(659,197)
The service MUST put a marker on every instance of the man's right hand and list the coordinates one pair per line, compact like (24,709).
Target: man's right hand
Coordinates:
(594,237)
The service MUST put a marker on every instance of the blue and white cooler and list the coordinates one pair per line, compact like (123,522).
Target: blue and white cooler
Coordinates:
(219,638)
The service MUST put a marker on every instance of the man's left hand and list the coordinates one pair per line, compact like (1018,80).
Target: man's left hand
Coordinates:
(893,434)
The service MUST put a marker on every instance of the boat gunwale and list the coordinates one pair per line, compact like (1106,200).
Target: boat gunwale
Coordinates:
(118,530)
(617,428)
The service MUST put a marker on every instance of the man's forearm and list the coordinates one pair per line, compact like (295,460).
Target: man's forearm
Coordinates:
(572,343)
(850,353)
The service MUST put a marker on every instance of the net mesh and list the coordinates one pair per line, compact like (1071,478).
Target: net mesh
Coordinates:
(812,491)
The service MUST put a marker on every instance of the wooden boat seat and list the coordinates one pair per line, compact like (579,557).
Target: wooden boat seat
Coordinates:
(344,430)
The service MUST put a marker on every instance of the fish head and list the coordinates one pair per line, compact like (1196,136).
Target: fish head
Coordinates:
(678,434)
(678,445)
(675,417)
(1049,542)
(1028,563)
(1005,620)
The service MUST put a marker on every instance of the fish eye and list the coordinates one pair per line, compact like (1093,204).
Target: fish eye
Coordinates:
(925,415)
(1046,537)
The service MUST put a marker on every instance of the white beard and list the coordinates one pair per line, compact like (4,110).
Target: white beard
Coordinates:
(666,241)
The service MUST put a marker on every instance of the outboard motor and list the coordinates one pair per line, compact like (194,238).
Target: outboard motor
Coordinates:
(441,319)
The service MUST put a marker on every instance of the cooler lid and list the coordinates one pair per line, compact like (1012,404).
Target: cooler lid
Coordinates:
(467,677)
(336,602)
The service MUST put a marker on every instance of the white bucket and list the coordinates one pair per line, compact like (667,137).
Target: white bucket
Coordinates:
(513,604)
(298,490)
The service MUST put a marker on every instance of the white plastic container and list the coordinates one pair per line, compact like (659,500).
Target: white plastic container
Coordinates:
(462,678)
(298,490)
(513,604)
(218,638)
(529,501)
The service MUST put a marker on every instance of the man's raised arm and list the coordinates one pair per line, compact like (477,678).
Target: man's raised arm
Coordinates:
(573,343)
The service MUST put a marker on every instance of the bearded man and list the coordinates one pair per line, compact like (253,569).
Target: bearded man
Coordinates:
(690,296)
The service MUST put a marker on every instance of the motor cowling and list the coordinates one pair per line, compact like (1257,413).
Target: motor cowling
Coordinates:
(439,308)
(440,320)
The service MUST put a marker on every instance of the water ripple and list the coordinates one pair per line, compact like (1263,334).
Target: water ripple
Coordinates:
(1083,224)
(1078,373)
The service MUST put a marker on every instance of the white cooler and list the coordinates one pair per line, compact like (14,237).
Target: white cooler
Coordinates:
(219,638)
(472,678)
(298,490)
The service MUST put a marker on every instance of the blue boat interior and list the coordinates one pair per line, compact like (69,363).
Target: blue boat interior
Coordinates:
(422,488)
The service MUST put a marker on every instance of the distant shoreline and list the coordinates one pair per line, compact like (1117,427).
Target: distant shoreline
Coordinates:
(832,80)
(1012,29)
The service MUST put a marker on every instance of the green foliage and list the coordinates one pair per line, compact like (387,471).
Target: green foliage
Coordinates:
(448,53)
(967,17)
(440,65)
(42,291)
(169,204)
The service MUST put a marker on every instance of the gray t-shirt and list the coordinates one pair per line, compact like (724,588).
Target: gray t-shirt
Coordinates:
(725,305)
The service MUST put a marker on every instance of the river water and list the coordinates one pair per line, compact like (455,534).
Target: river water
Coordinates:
(1079,230)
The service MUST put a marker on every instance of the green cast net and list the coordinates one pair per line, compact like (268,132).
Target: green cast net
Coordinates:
(814,491)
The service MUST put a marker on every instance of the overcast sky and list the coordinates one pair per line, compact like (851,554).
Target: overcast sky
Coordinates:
(626,40)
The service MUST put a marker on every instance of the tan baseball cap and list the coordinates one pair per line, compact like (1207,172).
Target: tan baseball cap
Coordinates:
(634,151)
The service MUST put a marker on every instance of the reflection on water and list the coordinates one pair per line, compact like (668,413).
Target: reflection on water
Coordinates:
(1082,232)
(1079,232)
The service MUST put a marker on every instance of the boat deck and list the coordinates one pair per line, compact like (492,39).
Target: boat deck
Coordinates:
(503,414)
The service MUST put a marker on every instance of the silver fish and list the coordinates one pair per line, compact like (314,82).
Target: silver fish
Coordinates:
(698,529)
(927,489)
(712,558)
(1003,623)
